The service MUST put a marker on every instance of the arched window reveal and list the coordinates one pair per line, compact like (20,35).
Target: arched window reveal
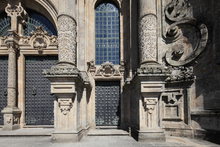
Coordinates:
(107,33)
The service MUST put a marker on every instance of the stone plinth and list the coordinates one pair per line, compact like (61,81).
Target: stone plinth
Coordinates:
(67,85)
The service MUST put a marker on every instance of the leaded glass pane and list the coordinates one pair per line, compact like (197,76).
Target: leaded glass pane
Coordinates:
(107,34)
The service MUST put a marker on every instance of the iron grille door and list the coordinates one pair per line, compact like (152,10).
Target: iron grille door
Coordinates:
(3,84)
(107,103)
(39,103)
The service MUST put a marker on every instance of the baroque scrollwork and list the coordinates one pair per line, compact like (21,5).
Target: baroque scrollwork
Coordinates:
(186,37)
(147,38)
(180,74)
(67,39)
(106,70)
(16,10)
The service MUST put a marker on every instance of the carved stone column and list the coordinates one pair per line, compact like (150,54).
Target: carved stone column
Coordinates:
(68,84)
(150,79)
(147,31)
(11,113)
(67,39)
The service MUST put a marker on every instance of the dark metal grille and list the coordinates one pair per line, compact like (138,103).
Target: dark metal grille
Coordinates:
(3,84)
(39,103)
(107,103)
(107,33)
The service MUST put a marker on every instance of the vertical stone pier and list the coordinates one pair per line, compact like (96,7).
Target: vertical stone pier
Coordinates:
(67,83)
(150,78)
(11,113)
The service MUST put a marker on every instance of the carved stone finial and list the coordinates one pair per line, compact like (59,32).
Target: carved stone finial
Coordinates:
(15,10)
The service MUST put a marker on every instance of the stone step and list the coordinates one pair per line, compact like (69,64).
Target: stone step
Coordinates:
(107,132)
(27,132)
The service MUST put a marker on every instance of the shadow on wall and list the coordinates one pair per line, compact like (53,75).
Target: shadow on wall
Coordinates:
(206,101)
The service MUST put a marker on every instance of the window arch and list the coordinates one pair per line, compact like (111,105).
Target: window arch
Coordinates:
(34,20)
(107,28)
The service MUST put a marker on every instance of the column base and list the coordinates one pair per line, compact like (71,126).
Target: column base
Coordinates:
(149,135)
(62,136)
(11,118)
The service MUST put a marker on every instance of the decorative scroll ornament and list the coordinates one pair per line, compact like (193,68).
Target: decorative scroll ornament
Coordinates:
(106,69)
(67,39)
(186,37)
(65,105)
(39,40)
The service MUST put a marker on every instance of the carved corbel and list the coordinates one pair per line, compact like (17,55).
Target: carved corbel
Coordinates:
(65,105)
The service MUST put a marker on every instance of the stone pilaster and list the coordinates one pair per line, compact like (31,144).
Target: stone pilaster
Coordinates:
(11,113)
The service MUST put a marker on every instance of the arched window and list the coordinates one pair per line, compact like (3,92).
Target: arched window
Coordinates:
(34,20)
(107,25)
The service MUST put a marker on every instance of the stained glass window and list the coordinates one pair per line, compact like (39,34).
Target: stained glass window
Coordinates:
(107,23)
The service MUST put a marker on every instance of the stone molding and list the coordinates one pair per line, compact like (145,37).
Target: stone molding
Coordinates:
(187,38)
(67,44)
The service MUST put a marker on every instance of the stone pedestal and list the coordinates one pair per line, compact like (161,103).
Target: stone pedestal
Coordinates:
(149,111)
(147,86)
(67,84)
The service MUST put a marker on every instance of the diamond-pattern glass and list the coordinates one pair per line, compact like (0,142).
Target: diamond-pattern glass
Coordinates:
(39,103)
(3,84)
(107,24)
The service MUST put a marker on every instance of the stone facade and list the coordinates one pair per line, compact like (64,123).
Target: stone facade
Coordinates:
(168,70)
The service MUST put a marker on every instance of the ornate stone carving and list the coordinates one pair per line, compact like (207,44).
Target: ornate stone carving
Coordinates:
(67,39)
(178,10)
(65,105)
(148,38)
(108,69)
(150,105)
(40,39)
(186,37)
(154,69)
(180,74)
(91,67)
(16,10)
(173,105)
(62,68)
